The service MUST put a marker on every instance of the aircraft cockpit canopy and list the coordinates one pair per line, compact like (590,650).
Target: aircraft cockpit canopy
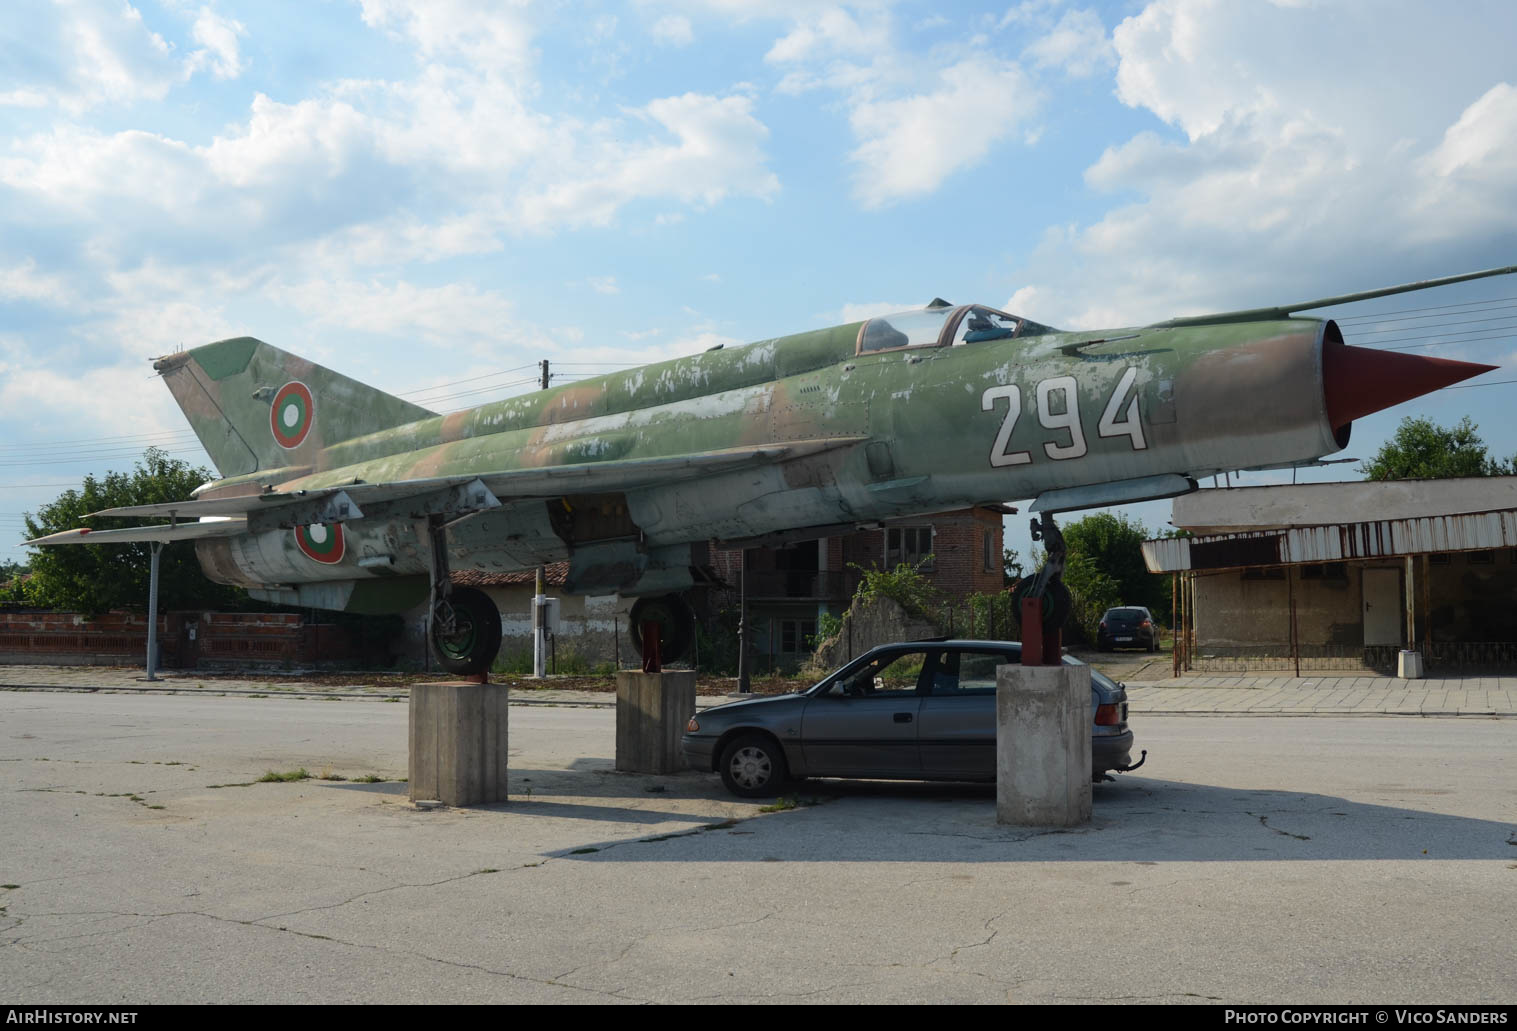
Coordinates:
(937,326)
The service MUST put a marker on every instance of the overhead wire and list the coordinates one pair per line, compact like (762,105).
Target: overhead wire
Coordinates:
(456,382)
(1404,311)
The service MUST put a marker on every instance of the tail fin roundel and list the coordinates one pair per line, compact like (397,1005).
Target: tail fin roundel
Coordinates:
(256,407)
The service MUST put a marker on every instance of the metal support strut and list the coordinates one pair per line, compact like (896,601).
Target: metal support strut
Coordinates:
(152,611)
(441,620)
(1045,604)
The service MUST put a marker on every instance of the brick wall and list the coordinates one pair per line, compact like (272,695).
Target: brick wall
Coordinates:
(185,639)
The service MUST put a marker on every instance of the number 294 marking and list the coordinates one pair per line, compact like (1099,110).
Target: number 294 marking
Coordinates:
(1058,405)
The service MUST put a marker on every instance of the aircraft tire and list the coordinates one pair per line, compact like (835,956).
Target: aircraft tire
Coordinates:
(1057,602)
(676,623)
(472,648)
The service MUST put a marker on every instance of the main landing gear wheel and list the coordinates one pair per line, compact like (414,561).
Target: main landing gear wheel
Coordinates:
(753,766)
(1057,602)
(675,619)
(466,631)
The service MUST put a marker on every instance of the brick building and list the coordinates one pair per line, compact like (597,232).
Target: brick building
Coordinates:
(789,588)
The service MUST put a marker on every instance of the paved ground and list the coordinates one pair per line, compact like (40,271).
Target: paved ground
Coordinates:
(1253,859)
(1150,692)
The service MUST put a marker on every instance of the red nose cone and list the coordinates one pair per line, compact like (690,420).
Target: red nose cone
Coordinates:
(1361,380)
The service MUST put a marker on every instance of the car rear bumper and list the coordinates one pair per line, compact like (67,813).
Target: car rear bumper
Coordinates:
(1111,752)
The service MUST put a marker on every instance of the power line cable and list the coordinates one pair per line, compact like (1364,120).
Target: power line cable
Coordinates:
(1435,307)
(456,382)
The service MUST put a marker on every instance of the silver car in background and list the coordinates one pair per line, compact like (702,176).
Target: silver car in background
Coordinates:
(920,710)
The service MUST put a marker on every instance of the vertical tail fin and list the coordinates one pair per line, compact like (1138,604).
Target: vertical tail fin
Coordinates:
(256,407)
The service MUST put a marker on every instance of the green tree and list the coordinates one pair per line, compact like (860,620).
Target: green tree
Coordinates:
(1423,450)
(96,578)
(1011,566)
(1105,562)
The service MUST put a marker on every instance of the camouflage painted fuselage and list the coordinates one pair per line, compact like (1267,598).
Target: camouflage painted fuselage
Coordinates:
(876,433)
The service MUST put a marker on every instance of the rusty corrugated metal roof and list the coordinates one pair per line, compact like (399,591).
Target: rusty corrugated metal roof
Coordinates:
(1336,542)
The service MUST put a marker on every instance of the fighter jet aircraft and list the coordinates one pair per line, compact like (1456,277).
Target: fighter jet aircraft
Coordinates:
(336,495)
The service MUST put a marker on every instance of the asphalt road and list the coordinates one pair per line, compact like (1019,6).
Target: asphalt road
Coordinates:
(1253,859)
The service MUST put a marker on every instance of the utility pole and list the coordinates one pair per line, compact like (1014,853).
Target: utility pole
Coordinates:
(539,629)
(744,676)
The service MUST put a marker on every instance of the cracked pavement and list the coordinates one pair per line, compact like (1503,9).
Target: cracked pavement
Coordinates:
(1251,860)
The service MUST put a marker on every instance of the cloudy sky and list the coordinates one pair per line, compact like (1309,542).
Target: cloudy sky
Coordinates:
(432,195)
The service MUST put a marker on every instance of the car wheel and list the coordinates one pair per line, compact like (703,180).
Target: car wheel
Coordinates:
(753,766)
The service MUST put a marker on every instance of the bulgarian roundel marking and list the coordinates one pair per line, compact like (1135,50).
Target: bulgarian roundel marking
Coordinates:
(293,414)
(321,541)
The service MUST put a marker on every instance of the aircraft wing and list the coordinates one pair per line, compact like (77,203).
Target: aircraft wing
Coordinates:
(444,494)
(146,534)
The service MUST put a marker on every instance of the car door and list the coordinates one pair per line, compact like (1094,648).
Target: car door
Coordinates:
(957,717)
(864,724)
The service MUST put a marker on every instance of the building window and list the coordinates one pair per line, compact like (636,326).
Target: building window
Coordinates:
(1439,558)
(1264,573)
(1337,571)
(907,544)
(989,549)
(796,634)
(1482,558)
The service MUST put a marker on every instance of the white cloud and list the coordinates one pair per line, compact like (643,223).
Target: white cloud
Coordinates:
(909,145)
(22,282)
(217,36)
(1077,44)
(1029,11)
(673,30)
(717,150)
(858,312)
(455,313)
(125,399)
(917,117)
(91,52)
(828,32)
(604,284)
(1304,169)
(347,171)
(493,35)
(82,54)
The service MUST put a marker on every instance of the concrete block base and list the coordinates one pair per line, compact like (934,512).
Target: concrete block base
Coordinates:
(1409,665)
(651,712)
(458,743)
(1043,759)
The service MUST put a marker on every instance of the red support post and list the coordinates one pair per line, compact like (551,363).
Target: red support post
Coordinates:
(652,660)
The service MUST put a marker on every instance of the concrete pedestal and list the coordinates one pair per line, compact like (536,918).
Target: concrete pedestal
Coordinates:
(1043,760)
(458,743)
(1409,665)
(651,712)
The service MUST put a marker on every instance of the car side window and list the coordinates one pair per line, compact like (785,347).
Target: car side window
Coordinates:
(891,676)
(968,673)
